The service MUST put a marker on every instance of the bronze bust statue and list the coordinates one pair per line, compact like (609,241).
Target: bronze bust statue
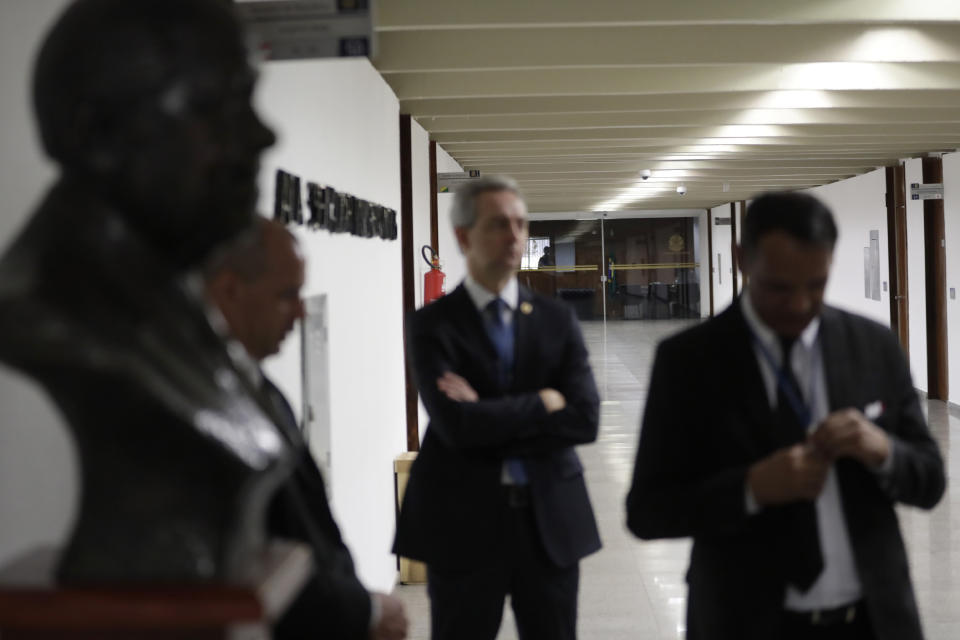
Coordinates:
(145,106)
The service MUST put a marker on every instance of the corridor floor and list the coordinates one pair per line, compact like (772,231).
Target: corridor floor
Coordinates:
(633,589)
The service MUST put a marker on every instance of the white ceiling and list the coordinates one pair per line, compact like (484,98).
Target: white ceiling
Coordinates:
(575,98)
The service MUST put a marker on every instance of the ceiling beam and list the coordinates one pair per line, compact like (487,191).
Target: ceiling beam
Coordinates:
(770,99)
(427,14)
(707,79)
(670,45)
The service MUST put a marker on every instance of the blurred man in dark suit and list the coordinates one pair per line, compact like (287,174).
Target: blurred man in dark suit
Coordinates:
(780,435)
(256,285)
(496,503)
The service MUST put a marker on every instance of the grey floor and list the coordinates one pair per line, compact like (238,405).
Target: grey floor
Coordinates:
(633,589)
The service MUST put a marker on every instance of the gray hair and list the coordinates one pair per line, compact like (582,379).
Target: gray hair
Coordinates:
(247,254)
(464,211)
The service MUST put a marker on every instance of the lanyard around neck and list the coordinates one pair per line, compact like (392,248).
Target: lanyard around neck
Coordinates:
(790,390)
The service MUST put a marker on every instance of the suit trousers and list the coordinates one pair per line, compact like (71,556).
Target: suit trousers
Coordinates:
(467,604)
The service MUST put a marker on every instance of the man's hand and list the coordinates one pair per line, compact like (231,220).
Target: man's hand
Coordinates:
(456,388)
(788,475)
(848,434)
(552,400)
(393,621)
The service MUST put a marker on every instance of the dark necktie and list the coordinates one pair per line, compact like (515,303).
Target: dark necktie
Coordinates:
(804,560)
(501,335)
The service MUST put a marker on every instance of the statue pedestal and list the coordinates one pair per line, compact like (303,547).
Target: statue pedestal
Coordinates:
(32,607)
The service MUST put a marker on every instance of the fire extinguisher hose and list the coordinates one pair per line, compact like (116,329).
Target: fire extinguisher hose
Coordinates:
(434,256)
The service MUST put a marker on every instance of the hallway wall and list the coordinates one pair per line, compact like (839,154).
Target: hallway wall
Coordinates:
(858,205)
(951,197)
(916,275)
(722,261)
(38,470)
(703,257)
(338,124)
(26,171)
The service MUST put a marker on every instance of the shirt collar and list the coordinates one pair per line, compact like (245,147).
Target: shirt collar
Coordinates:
(239,355)
(766,335)
(481,296)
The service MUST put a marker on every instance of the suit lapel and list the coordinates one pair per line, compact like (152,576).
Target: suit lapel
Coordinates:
(745,370)
(837,365)
(468,320)
(523,343)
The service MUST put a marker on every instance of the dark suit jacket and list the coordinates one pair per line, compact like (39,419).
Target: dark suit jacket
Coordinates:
(454,500)
(333,604)
(708,418)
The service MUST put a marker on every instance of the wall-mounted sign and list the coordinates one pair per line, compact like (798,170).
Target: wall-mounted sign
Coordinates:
(331,210)
(719,222)
(297,29)
(447,182)
(933,191)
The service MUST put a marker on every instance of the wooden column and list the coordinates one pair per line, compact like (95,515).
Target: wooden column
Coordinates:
(897,255)
(733,248)
(936,284)
(710,256)
(434,223)
(406,259)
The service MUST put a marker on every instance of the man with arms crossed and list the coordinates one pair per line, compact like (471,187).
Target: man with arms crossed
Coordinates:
(496,502)
(780,435)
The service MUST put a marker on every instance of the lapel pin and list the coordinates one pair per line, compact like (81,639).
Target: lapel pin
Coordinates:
(526,308)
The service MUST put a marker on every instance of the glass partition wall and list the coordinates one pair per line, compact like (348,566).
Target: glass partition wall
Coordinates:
(650,266)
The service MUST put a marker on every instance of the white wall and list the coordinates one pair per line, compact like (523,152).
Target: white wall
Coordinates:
(38,472)
(338,125)
(703,257)
(452,261)
(420,158)
(26,172)
(722,271)
(951,206)
(916,278)
(858,205)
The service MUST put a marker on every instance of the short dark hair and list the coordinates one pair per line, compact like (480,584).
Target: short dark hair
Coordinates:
(799,215)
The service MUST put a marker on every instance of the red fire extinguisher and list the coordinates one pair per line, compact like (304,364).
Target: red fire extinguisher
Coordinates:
(433,280)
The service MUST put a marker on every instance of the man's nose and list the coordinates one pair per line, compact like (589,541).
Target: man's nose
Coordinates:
(261,136)
(800,302)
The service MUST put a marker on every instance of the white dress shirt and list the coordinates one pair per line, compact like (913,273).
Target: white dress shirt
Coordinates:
(482,297)
(839,583)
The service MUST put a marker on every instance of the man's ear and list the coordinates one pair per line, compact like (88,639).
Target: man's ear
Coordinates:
(223,288)
(463,238)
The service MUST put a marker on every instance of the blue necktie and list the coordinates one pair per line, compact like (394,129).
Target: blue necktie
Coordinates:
(501,335)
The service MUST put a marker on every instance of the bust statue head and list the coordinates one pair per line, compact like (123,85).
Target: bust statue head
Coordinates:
(148,104)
